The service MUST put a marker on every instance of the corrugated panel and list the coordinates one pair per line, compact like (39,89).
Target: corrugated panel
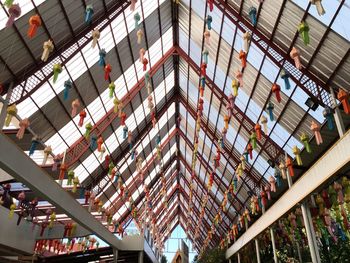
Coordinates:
(342,77)
(268,16)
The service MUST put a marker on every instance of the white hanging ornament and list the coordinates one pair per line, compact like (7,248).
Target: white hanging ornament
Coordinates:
(246,40)
(95,37)
(48,48)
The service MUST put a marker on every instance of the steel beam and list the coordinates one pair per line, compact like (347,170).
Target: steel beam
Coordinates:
(323,169)
(37,180)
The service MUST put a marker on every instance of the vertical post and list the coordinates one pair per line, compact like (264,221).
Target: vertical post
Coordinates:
(273,245)
(140,257)
(337,114)
(238,258)
(299,253)
(229,260)
(115,255)
(309,234)
(4,106)
(257,250)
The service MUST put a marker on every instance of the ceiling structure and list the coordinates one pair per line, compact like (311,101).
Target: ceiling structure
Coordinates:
(173,37)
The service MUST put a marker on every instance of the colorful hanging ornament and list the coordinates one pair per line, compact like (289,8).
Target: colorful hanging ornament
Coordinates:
(289,165)
(23,125)
(137,19)
(328,114)
(282,168)
(246,40)
(57,69)
(252,15)
(102,152)
(303,30)
(99,144)
(315,127)
(102,53)
(253,139)
(144,62)
(305,140)
(295,55)
(211,5)
(132,5)
(34,23)
(272,182)
(257,129)
(343,97)
(226,121)
(263,121)
(270,107)
(277,90)
(75,184)
(14,12)
(95,37)
(111,88)
(278,177)
(75,107)
(108,70)
(48,48)
(296,152)
(209,20)
(207,37)
(139,35)
(88,128)
(239,77)
(235,85)
(70,177)
(250,150)
(243,162)
(34,145)
(285,76)
(122,118)
(12,211)
(82,116)
(319,7)
(89,11)
(67,86)
(243,58)
(205,55)
(125,132)
(93,142)
(8,3)
(47,152)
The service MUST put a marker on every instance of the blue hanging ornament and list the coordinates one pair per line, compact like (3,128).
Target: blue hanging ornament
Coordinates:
(34,145)
(117,175)
(278,177)
(82,193)
(252,15)
(209,20)
(125,131)
(158,139)
(67,86)
(246,155)
(202,82)
(270,107)
(93,142)
(137,19)
(88,14)
(285,76)
(102,54)
(205,55)
(328,114)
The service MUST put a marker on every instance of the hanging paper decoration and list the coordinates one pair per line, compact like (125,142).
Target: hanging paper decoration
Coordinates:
(137,19)
(315,127)
(125,132)
(82,116)
(23,125)
(34,145)
(303,30)
(88,128)
(47,152)
(207,37)
(89,11)
(296,152)
(278,177)
(75,107)
(253,139)
(142,54)
(139,34)
(305,140)
(295,55)
(70,176)
(34,23)
(8,3)
(243,58)
(257,129)
(343,97)
(270,107)
(285,76)
(99,144)
(328,114)
(93,142)
(226,121)
(14,12)
(132,5)
(319,7)
(67,86)
(108,70)
(145,62)
(252,15)
(75,184)
(102,152)
(57,69)
(102,54)
(48,48)
(246,40)
(122,118)
(277,90)
(272,182)
(243,162)
(12,210)
(282,168)
(205,55)
(239,77)
(250,150)
(235,85)
(95,37)
(209,20)
(263,121)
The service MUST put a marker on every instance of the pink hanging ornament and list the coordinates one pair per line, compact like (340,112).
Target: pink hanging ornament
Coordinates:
(142,54)
(315,127)
(239,76)
(132,5)
(145,62)
(14,12)
(272,182)
(295,55)
(23,125)
(75,106)
(207,37)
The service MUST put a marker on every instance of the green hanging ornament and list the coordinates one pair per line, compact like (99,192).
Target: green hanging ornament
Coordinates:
(303,30)
(111,88)
(305,139)
(70,177)
(57,69)
(88,128)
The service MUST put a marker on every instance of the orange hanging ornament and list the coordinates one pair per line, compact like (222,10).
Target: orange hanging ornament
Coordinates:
(343,96)
(34,23)
(243,58)
(289,164)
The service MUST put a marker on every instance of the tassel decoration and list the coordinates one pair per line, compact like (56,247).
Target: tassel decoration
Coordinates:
(89,11)
(205,55)
(277,90)
(246,40)
(209,20)
(207,37)
(295,55)
(108,70)
(139,35)
(343,96)
(48,48)
(67,86)
(102,54)
(328,114)
(243,58)
(137,19)
(111,88)
(285,76)
(145,62)
(319,7)
(23,125)
(289,165)
(252,15)
(303,30)
(34,24)
(93,142)
(305,140)
(14,12)
(270,107)
(88,128)
(75,106)
(95,37)
(296,152)
(315,127)
(263,121)
(257,129)
(82,116)
(57,69)
(34,145)
(47,152)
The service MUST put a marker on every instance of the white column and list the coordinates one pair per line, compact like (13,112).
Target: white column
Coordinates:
(273,245)
(115,255)
(257,250)
(238,258)
(4,107)
(141,257)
